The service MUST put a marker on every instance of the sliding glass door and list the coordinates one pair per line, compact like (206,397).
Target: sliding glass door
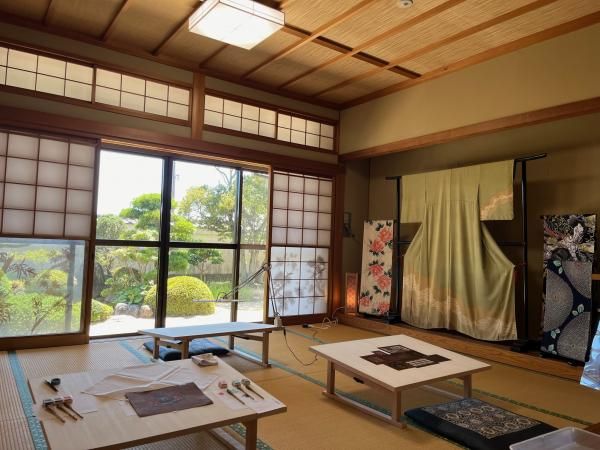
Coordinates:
(163,263)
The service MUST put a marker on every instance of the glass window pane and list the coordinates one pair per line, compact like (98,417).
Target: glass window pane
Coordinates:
(204,206)
(255,201)
(252,296)
(129,196)
(44,290)
(124,290)
(198,274)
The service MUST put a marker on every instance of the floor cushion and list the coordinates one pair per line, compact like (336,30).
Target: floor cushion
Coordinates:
(197,347)
(477,424)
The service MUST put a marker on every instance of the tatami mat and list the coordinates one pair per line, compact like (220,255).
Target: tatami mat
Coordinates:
(312,421)
(77,358)
(10,404)
(15,435)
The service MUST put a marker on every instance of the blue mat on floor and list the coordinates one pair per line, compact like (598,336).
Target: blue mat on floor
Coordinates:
(197,347)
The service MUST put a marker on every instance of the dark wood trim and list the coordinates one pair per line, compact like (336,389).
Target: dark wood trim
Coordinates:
(549,114)
(337,281)
(485,350)
(110,28)
(176,31)
(94,105)
(42,341)
(337,20)
(341,48)
(518,44)
(91,251)
(257,137)
(151,140)
(435,45)
(299,320)
(276,108)
(161,58)
(197,106)
(379,38)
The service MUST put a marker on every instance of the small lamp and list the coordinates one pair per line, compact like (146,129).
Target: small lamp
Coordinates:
(351,292)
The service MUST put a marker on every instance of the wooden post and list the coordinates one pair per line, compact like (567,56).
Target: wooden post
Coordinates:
(265,348)
(468,386)
(197,110)
(155,353)
(185,348)
(251,434)
(330,378)
(397,409)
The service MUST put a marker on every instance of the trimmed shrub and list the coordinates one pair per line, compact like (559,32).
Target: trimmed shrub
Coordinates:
(101,311)
(181,291)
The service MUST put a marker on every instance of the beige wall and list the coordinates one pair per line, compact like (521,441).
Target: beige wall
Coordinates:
(567,181)
(16,34)
(557,71)
(356,195)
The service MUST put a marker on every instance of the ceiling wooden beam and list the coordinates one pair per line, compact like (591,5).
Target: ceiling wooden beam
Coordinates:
(564,111)
(113,22)
(378,38)
(50,9)
(540,36)
(176,31)
(435,45)
(341,48)
(338,20)
(213,55)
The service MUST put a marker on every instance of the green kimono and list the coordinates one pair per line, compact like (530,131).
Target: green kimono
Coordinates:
(455,275)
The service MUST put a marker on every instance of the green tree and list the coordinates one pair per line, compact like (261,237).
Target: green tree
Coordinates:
(109,226)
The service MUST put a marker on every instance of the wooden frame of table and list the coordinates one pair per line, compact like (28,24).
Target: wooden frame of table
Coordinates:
(110,427)
(180,337)
(345,357)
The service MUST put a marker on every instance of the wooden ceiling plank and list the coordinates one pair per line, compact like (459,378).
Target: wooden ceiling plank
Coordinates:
(163,59)
(176,31)
(343,17)
(540,36)
(341,48)
(50,9)
(213,55)
(378,38)
(112,25)
(441,43)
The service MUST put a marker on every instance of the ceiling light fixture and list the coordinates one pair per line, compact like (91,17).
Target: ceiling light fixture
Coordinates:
(405,3)
(243,23)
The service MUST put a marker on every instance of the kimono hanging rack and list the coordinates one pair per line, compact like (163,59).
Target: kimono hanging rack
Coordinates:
(522,344)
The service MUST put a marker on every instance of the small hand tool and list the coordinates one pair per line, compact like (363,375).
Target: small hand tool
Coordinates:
(246,382)
(230,392)
(48,404)
(238,385)
(53,383)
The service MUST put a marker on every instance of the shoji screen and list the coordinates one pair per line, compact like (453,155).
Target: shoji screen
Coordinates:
(300,243)
(46,186)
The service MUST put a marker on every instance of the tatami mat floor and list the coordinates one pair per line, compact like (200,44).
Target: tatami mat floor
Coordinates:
(312,421)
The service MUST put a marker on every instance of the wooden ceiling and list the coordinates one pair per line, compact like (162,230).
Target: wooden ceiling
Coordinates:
(332,52)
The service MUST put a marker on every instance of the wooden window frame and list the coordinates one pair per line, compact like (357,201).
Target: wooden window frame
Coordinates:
(95,65)
(278,110)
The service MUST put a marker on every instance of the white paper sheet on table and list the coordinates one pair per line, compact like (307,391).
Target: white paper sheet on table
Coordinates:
(147,377)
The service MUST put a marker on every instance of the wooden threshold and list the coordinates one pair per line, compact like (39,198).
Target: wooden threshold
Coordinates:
(471,347)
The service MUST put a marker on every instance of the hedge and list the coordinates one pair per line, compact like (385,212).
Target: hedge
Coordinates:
(181,291)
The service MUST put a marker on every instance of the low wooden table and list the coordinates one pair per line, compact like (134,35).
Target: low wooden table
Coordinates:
(180,337)
(111,427)
(345,357)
